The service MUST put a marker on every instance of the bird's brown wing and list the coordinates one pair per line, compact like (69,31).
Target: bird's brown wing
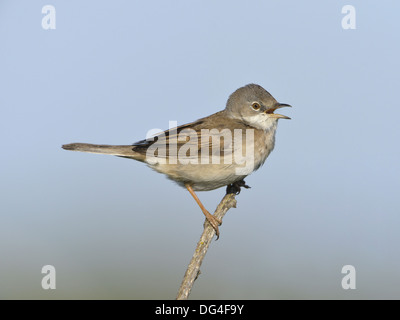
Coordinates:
(210,136)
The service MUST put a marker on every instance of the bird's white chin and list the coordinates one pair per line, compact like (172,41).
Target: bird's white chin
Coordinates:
(262,122)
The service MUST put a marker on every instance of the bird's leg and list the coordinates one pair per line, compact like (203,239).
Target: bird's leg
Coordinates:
(210,218)
(235,187)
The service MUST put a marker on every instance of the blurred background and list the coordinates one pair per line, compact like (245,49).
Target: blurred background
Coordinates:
(328,195)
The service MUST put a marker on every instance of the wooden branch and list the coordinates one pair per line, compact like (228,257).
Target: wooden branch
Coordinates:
(193,269)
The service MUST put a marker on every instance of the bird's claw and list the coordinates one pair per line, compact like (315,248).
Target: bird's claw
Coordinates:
(214,222)
(235,187)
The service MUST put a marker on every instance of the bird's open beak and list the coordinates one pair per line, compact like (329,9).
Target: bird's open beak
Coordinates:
(276,115)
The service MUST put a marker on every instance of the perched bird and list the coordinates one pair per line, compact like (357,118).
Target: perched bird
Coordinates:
(212,152)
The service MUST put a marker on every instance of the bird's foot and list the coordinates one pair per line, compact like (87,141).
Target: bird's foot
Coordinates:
(235,187)
(214,223)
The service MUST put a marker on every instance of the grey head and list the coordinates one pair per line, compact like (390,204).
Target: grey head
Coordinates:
(255,106)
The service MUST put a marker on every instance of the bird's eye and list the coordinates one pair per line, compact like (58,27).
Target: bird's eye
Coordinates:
(256,106)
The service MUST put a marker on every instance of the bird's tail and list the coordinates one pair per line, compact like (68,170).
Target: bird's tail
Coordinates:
(121,151)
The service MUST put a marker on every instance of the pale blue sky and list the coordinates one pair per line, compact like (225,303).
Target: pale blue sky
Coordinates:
(327,196)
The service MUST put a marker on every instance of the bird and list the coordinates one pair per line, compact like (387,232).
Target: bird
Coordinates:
(216,151)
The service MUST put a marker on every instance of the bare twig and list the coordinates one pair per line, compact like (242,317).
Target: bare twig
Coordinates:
(193,269)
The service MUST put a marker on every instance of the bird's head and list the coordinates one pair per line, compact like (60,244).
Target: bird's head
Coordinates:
(255,106)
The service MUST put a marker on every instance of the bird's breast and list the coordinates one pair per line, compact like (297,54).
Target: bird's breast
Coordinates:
(264,142)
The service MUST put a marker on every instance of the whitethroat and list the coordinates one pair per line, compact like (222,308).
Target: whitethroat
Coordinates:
(212,152)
